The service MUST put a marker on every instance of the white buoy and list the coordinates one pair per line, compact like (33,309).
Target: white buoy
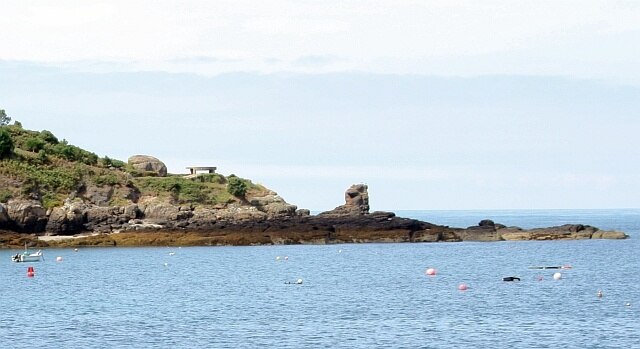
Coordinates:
(627,304)
(339,251)
(600,294)
(58,259)
(171,253)
(166,264)
(75,250)
(299,282)
(277,258)
(557,276)
(286,258)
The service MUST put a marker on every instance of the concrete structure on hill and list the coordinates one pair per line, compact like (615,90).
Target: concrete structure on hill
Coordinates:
(193,170)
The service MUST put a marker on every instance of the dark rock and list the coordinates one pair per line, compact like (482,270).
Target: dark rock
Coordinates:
(486,223)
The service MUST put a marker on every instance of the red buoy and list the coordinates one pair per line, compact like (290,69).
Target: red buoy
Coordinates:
(30,272)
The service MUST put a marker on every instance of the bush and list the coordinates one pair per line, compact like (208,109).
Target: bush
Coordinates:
(107,179)
(109,162)
(236,186)
(5,195)
(48,137)
(6,143)
(34,144)
(73,153)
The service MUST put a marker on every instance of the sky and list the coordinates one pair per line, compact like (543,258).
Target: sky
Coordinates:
(433,104)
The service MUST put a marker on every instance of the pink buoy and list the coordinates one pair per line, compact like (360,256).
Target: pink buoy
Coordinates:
(462,287)
(431,272)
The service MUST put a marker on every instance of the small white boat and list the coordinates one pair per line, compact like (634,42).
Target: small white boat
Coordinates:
(27,256)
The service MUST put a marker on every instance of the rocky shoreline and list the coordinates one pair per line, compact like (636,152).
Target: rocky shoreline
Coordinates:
(267,220)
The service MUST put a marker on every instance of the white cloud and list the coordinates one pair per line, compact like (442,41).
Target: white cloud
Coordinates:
(441,37)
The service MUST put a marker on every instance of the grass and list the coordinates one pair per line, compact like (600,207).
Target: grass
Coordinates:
(44,168)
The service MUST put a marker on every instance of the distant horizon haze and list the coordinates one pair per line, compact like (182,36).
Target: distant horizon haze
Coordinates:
(435,105)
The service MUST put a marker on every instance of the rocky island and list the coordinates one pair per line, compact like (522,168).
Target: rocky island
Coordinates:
(56,194)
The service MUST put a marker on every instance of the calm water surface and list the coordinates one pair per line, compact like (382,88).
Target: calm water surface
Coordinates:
(353,296)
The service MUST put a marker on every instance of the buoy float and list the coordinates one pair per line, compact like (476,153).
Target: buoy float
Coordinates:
(299,282)
(30,272)
(75,250)
(599,294)
(58,259)
(462,287)
(286,258)
(557,276)
(277,258)
(431,272)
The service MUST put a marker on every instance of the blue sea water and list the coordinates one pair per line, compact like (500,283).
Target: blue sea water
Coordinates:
(352,296)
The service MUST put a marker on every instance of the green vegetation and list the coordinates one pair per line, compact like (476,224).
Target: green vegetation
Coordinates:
(36,165)
(6,143)
(237,186)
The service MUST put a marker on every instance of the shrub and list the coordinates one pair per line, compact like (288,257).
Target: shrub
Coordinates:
(5,195)
(6,143)
(107,179)
(236,186)
(34,144)
(48,137)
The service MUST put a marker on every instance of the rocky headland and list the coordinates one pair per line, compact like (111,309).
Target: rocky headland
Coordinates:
(56,194)
(263,220)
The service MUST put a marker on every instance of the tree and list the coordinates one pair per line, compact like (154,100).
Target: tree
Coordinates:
(4,119)
(6,143)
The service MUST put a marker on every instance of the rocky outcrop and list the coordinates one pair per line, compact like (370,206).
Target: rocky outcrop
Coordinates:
(68,218)
(356,202)
(26,215)
(273,205)
(267,219)
(146,163)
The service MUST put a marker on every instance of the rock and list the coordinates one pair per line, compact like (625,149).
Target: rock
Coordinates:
(303,212)
(27,215)
(602,234)
(146,163)
(4,217)
(69,218)
(165,212)
(100,196)
(486,223)
(356,202)
(273,205)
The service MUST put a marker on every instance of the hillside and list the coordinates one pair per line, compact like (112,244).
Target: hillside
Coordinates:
(38,169)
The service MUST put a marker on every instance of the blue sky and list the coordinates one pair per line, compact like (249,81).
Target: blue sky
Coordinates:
(435,105)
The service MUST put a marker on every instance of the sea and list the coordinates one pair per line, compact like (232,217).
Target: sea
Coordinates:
(337,296)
